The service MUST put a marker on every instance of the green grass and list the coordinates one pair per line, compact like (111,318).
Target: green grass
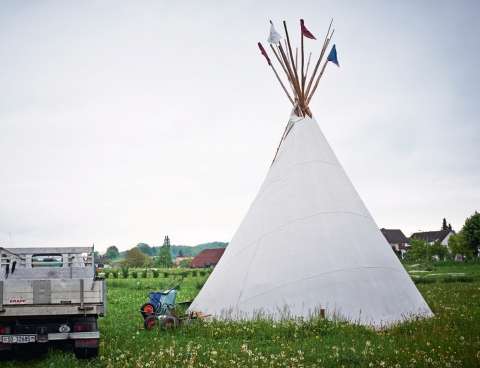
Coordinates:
(458,279)
(424,280)
(450,339)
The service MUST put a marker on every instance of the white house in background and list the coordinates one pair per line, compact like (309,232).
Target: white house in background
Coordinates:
(397,239)
(433,236)
(102,263)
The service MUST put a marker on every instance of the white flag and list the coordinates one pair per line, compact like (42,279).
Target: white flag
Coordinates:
(274,36)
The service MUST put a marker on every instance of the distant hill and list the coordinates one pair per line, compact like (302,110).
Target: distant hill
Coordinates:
(193,251)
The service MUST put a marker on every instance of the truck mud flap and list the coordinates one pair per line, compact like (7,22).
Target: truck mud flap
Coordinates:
(87,343)
(5,346)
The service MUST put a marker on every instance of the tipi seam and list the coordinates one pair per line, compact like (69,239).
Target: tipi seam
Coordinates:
(317,275)
(291,167)
(287,223)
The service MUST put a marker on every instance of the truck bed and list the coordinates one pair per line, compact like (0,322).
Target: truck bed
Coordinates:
(52,297)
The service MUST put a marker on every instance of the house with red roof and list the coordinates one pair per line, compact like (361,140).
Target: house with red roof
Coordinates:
(207,258)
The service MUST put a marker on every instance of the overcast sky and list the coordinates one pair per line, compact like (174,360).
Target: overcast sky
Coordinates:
(125,121)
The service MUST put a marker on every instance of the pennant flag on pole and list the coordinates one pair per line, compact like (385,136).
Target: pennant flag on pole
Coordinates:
(305,31)
(264,53)
(274,35)
(333,56)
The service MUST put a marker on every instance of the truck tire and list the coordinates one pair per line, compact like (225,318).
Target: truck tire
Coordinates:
(7,355)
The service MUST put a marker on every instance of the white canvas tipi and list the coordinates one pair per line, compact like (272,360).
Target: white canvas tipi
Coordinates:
(308,243)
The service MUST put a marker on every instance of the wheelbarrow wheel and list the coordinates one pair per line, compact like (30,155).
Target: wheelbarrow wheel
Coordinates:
(147,310)
(150,322)
(169,322)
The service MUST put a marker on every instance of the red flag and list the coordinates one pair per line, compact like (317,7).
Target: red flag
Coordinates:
(305,31)
(264,53)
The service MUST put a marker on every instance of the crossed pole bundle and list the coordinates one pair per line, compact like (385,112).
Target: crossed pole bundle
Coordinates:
(297,77)
(301,95)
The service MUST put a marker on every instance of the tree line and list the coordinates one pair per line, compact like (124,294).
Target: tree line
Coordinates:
(144,255)
(466,243)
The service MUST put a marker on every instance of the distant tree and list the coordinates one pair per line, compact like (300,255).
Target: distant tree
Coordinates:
(135,258)
(112,252)
(450,227)
(438,249)
(96,255)
(145,248)
(184,262)
(180,254)
(147,263)
(419,249)
(166,242)
(444,225)
(164,258)
(471,232)
(456,243)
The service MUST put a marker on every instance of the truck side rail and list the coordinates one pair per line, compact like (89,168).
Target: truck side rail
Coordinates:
(46,263)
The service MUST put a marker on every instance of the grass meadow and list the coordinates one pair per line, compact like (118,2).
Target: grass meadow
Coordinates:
(450,339)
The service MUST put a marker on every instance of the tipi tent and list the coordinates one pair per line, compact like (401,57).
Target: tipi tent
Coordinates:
(308,242)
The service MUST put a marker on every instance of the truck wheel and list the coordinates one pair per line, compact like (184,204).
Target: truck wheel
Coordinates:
(150,322)
(7,355)
(147,310)
(86,353)
(170,322)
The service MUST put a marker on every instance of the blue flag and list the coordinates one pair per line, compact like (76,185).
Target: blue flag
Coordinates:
(333,56)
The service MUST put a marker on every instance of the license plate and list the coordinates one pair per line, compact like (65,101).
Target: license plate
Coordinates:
(18,339)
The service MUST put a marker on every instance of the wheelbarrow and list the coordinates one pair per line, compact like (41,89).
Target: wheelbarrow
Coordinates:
(161,308)
(171,320)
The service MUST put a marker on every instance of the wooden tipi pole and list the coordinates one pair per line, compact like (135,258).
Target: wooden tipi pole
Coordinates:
(300,95)
(281,140)
(303,75)
(288,95)
(320,58)
(280,60)
(318,80)
(308,64)
(264,53)
(290,72)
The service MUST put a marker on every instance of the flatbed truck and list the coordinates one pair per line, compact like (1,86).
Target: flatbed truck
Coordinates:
(50,294)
